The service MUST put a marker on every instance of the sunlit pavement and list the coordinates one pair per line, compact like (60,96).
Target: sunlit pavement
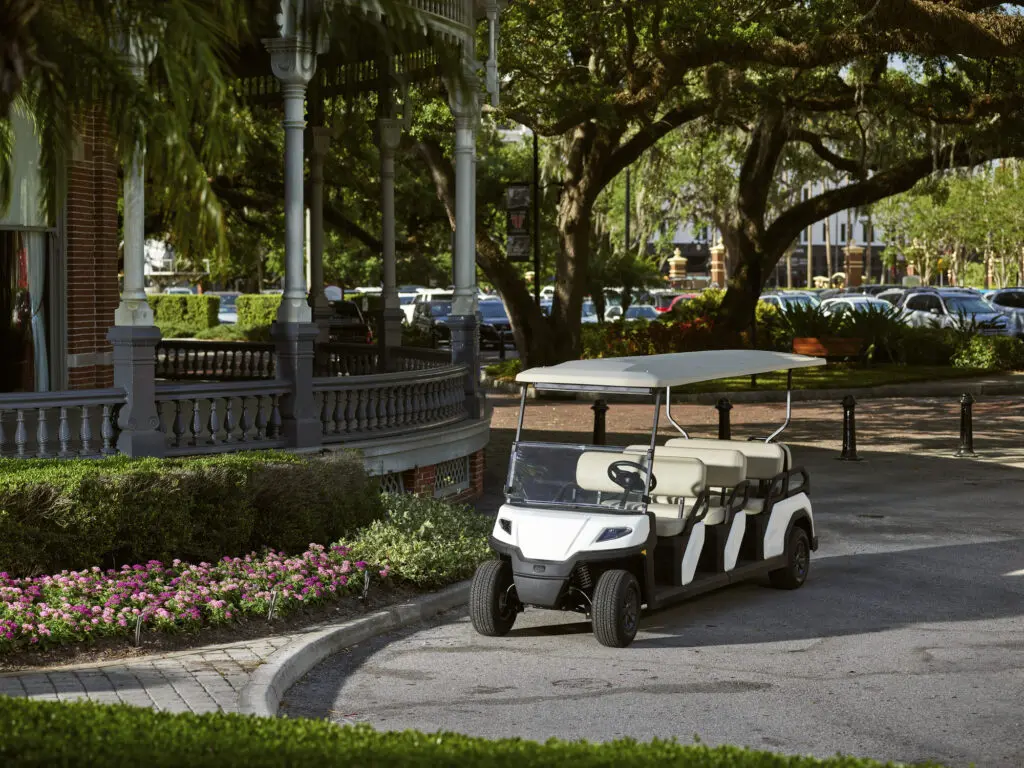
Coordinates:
(905,644)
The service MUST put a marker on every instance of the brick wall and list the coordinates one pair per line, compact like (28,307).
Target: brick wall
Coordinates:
(421,480)
(92,264)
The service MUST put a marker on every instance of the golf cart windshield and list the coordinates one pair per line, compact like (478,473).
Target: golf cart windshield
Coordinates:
(607,478)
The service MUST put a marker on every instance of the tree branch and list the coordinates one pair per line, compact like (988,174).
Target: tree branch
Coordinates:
(837,161)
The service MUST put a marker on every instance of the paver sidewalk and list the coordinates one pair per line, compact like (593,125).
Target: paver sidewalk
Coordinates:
(207,679)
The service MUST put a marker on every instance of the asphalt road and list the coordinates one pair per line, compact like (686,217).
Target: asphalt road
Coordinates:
(906,643)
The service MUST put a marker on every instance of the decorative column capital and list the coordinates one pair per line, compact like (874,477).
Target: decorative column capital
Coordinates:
(292,60)
(464,100)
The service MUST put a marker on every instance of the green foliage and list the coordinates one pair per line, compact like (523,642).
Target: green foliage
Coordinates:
(231,332)
(706,304)
(58,514)
(425,541)
(993,353)
(772,331)
(257,310)
(179,330)
(193,311)
(806,321)
(414,336)
(506,370)
(623,339)
(926,346)
(80,734)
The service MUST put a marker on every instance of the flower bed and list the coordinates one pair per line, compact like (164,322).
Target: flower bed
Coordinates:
(82,605)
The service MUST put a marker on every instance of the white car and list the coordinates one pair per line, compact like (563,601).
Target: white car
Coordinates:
(606,531)
(791,299)
(856,303)
(635,312)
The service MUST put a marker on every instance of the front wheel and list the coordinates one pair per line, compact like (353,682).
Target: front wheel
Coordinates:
(798,562)
(493,604)
(616,608)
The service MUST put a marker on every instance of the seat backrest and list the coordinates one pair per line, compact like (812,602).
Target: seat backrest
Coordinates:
(675,476)
(723,468)
(764,460)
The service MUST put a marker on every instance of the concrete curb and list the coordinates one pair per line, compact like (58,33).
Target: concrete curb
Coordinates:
(268,684)
(945,388)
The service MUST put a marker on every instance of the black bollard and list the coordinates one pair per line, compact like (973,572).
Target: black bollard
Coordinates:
(723,406)
(849,430)
(501,344)
(966,426)
(600,408)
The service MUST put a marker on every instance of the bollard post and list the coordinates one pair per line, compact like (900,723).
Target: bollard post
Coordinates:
(501,344)
(600,408)
(723,406)
(966,449)
(849,430)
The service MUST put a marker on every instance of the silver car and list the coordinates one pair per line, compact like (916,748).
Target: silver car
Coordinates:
(947,310)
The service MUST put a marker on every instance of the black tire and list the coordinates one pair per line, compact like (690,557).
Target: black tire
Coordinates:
(616,608)
(798,562)
(492,602)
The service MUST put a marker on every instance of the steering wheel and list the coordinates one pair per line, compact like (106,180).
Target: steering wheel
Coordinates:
(628,475)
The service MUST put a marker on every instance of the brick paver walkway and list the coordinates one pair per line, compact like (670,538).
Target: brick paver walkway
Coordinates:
(202,680)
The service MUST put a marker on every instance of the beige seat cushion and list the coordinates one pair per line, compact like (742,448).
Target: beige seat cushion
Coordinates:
(764,460)
(724,468)
(668,521)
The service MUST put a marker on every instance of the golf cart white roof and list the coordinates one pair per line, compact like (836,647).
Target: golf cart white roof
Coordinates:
(651,372)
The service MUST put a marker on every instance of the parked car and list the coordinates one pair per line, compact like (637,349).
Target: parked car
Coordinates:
(431,317)
(872,290)
(179,289)
(892,295)
(495,326)
(784,301)
(662,301)
(945,309)
(855,303)
(682,299)
(1009,301)
(227,314)
(635,312)
(349,325)
(406,302)
(587,315)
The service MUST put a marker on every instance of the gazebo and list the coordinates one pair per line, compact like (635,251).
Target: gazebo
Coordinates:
(417,415)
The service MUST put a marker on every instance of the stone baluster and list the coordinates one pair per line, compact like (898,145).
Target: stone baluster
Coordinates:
(21,436)
(3,436)
(229,420)
(351,423)
(407,399)
(399,393)
(42,434)
(85,434)
(178,424)
(245,422)
(64,434)
(371,408)
(107,431)
(274,428)
(214,422)
(197,423)
(261,418)
(392,391)
(340,425)
(326,412)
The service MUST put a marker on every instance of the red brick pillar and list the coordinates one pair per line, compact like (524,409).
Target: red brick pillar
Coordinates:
(92,263)
(854,265)
(718,275)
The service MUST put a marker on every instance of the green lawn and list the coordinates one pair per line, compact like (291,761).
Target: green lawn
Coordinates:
(832,376)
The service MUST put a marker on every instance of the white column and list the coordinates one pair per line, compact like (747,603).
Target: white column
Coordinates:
(294,63)
(467,117)
(321,141)
(134,310)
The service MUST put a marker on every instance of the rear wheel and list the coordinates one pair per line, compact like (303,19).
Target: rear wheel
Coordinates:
(616,608)
(798,561)
(493,604)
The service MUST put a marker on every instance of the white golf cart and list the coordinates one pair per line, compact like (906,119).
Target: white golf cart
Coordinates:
(607,530)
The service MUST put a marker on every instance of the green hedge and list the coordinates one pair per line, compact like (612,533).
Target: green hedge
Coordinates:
(256,310)
(195,311)
(42,733)
(57,514)
(999,353)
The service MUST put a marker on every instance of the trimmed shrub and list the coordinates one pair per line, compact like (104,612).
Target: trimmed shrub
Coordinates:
(995,353)
(178,331)
(506,370)
(231,332)
(194,311)
(706,305)
(623,339)
(926,346)
(79,734)
(426,542)
(257,310)
(57,514)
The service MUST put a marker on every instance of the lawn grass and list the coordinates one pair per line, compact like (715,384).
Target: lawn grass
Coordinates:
(831,376)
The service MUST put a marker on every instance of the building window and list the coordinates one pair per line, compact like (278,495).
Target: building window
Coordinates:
(842,233)
(803,236)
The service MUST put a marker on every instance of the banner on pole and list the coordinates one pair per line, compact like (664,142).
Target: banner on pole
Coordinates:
(517,204)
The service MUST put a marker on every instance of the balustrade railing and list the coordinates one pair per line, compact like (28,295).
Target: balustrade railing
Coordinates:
(64,425)
(346,359)
(366,406)
(418,358)
(451,10)
(188,359)
(220,417)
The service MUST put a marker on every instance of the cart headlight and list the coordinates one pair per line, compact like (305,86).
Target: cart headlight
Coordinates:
(610,534)
(506,525)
